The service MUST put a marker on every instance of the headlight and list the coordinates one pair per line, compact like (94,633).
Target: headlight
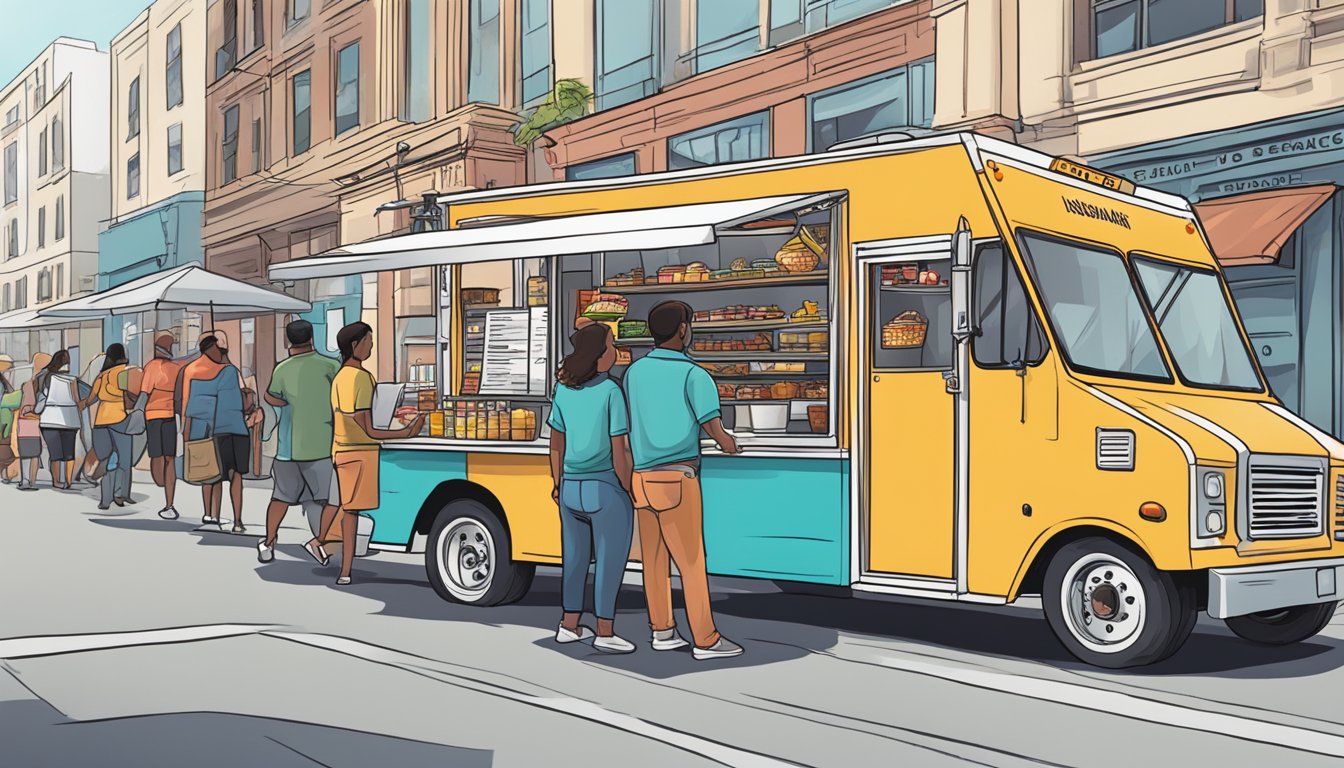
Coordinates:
(1214,524)
(1213,485)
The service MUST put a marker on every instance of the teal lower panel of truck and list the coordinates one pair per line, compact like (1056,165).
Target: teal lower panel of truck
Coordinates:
(405,479)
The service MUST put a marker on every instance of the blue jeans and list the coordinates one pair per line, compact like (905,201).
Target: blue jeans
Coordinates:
(596,517)
(109,442)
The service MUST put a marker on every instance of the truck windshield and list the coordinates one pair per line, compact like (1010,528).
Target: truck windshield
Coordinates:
(1092,306)
(1194,317)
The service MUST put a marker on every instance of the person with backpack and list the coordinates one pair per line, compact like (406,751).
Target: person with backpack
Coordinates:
(58,416)
(28,428)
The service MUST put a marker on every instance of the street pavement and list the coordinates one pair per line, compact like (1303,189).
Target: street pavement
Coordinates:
(126,640)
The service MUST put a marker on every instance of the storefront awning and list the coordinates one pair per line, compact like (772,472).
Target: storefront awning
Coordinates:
(188,288)
(675,226)
(30,320)
(1251,229)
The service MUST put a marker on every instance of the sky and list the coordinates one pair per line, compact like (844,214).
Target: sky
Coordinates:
(28,26)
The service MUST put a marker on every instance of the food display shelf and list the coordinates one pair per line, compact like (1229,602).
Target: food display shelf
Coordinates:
(916,288)
(805,278)
(762,356)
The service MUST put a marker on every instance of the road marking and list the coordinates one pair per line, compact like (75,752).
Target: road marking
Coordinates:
(585,710)
(55,645)
(1109,702)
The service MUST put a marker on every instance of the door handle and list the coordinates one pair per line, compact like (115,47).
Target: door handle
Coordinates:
(877,378)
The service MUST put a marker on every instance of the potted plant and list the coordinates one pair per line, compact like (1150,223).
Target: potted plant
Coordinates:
(568,100)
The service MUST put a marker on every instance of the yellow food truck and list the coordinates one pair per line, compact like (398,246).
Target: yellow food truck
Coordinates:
(959,369)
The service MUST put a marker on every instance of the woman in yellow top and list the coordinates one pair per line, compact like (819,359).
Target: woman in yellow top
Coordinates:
(110,438)
(354,447)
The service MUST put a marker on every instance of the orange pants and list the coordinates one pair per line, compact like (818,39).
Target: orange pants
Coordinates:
(671,530)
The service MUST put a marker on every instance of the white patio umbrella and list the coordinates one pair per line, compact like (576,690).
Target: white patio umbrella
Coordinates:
(186,288)
(30,320)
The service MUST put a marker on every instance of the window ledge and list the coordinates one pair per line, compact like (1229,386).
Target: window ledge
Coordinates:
(1095,69)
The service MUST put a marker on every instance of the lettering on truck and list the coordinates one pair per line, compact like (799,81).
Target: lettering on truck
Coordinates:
(1080,208)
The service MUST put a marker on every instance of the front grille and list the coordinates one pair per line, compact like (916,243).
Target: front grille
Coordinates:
(1339,508)
(1115,449)
(1286,498)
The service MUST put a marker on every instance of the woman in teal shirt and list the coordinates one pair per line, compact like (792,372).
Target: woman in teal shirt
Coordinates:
(591,467)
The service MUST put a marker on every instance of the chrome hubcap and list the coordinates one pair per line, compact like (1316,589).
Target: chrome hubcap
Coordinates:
(1103,603)
(466,558)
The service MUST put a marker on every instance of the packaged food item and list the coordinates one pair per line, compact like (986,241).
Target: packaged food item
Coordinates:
(697,272)
(673,273)
(523,424)
(814,390)
(738,264)
(632,329)
(818,341)
(727,391)
(779,367)
(905,331)
(607,306)
(818,418)
(784,390)
(910,272)
(436,423)
(538,291)
(810,312)
(753,392)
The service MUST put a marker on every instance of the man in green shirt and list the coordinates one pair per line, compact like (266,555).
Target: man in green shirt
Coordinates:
(301,393)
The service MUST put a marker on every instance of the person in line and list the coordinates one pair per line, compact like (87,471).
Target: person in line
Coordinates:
(111,441)
(90,470)
(213,396)
(354,447)
(10,400)
(158,386)
(59,419)
(28,428)
(302,468)
(591,471)
(671,400)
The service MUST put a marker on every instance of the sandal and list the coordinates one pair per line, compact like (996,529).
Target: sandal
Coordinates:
(317,552)
(343,581)
(239,528)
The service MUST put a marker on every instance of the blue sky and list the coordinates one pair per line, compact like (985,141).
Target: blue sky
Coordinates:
(28,26)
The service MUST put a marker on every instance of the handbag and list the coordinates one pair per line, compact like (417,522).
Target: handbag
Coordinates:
(135,419)
(201,461)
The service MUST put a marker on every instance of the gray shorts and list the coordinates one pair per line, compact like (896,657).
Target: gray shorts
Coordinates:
(299,481)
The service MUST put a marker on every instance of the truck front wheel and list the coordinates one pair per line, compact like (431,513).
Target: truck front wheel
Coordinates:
(1284,626)
(1112,608)
(467,557)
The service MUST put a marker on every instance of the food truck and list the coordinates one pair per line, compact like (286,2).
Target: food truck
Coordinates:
(959,369)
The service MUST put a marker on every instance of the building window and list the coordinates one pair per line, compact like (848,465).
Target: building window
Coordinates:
(227,55)
(39,86)
(13,238)
(256,145)
(42,226)
(12,173)
(21,293)
(230,147)
(415,99)
(725,31)
(174,149)
(60,280)
(8,304)
(133,109)
(535,51)
(483,51)
(732,141)
(60,218)
(895,99)
(133,176)
(303,102)
(42,152)
(793,18)
(44,285)
(258,26)
(173,71)
(298,11)
(627,51)
(347,89)
(606,168)
(1121,26)
(12,116)
(57,144)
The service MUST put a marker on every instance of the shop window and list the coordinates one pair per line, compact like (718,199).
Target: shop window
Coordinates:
(60,218)
(607,167)
(1121,26)
(535,51)
(174,149)
(229,149)
(627,51)
(42,152)
(57,144)
(133,176)
(483,52)
(173,69)
(12,173)
(415,97)
(227,55)
(733,141)
(301,117)
(133,109)
(725,31)
(1008,334)
(297,11)
(895,99)
(347,89)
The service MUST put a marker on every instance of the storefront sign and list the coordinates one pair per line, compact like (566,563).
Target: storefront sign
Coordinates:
(1212,162)
(1251,185)
(1080,208)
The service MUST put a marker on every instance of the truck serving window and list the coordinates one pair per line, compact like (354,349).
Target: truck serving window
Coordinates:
(1193,315)
(1093,308)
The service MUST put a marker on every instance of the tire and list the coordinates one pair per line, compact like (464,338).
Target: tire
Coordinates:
(1111,608)
(1284,626)
(467,557)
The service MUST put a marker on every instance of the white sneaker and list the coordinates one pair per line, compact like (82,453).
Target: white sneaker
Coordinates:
(563,635)
(668,640)
(614,644)
(168,513)
(723,649)
(265,554)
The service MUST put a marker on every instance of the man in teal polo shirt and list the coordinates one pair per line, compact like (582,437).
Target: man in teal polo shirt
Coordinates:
(671,400)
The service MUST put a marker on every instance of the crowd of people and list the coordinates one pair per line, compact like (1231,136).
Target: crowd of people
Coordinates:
(620,452)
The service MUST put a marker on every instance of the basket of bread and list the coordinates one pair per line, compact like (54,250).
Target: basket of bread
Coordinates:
(802,253)
(905,331)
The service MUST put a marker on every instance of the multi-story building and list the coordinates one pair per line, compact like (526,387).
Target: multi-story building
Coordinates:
(318,114)
(684,83)
(53,138)
(157,142)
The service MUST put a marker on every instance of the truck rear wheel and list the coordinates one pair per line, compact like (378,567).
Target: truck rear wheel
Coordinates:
(1111,608)
(1284,626)
(467,557)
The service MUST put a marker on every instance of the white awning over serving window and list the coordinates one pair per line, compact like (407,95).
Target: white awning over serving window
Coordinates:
(676,226)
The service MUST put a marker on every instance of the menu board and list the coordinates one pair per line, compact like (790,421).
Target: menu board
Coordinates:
(538,367)
(515,357)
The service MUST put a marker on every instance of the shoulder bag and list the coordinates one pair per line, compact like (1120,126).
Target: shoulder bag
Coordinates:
(201,461)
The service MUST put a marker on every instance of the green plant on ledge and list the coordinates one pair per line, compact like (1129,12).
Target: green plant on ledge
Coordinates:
(568,100)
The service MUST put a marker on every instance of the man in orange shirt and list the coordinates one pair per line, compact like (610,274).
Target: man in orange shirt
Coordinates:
(158,385)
